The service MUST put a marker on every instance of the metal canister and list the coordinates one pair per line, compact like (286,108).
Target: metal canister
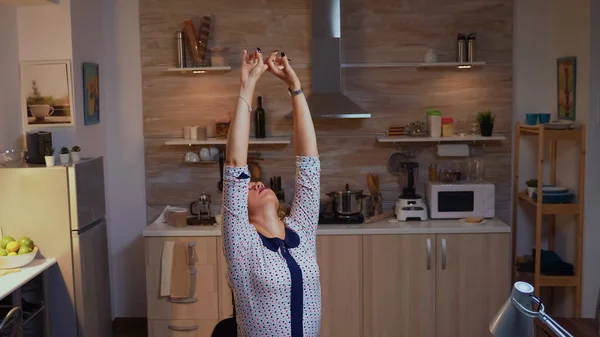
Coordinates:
(461,48)
(181,62)
(471,47)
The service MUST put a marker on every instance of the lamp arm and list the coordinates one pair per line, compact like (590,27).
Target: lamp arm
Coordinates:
(541,314)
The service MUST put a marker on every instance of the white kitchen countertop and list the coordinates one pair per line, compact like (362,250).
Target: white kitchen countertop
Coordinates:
(388,226)
(13,281)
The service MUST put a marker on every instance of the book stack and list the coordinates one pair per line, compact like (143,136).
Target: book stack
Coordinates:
(395,131)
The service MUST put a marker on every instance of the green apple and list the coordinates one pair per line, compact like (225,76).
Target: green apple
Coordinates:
(13,246)
(3,252)
(12,254)
(26,242)
(5,240)
(25,250)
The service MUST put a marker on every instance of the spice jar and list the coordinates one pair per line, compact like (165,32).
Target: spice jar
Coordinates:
(433,172)
(447,127)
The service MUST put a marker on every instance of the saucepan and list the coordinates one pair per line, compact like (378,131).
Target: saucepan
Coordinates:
(346,202)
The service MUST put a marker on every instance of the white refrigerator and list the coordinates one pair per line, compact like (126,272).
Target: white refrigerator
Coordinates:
(62,209)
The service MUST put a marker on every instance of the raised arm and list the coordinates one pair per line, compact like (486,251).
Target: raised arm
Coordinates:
(305,139)
(239,131)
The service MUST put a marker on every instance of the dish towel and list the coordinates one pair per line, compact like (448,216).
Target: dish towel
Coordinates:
(180,273)
(165,268)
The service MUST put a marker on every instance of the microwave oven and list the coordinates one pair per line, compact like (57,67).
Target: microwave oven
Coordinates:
(460,200)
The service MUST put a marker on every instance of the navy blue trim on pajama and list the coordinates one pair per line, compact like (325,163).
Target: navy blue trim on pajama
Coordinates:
(292,240)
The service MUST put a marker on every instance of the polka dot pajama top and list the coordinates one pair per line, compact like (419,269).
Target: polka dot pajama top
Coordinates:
(275,282)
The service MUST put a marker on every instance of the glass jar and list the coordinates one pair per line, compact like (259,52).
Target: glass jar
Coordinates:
(433,176)
(447,127)
(434,119)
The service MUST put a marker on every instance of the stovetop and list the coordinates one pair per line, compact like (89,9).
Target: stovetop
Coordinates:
(330,219)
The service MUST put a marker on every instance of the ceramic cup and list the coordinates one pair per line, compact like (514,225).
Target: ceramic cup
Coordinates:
(209,154)
(544,118)
(187,132)
(194,132)
(531,119)
(192,157)
(201,132)
(40,111)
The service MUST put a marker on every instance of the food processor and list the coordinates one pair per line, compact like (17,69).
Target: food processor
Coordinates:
(410,205)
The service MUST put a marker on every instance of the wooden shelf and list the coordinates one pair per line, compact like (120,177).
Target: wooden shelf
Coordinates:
(462,65)
(213,141)
(408,139)
(550,134)
(200,163)
(199,70)
(572,208)
(29,3)
(550,281)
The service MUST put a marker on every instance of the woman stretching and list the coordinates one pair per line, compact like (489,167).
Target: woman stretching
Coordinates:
(272,265)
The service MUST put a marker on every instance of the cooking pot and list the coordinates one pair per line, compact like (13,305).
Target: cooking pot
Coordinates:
(347,202)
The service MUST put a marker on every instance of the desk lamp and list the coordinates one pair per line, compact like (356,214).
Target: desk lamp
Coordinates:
(515,317)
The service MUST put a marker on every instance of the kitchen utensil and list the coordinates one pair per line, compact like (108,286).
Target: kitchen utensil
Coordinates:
(531,119)
(544,118)
(410,205)
(376,183)
(181,59)
(203,37)
(192,40)
(368,209)
(221,164)
(346,202)
(377,202)
(372,184)
(323,205)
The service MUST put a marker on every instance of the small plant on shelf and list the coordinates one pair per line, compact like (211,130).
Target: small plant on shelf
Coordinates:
(49,158)
(531,187)
(486,122)
(75,153)
(64,155)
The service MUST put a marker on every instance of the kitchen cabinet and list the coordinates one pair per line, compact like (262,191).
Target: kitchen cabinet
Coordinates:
(168,318)
(472,282)
(340,266)
(444,285)
(399,285)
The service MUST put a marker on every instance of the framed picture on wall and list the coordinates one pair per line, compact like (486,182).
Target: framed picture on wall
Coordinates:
(91,94)
(47,94)
(566,83)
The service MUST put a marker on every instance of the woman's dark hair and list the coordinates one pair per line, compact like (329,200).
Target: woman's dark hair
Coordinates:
(228,326)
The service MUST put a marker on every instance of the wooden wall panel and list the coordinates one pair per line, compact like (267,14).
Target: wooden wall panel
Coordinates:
(376,31)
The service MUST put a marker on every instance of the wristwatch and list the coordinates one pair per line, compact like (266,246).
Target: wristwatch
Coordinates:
(295,92)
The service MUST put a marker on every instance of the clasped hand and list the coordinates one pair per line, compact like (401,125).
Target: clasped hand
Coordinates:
(253,66)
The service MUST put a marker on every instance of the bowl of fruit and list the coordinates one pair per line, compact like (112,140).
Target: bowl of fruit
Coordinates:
(16,254)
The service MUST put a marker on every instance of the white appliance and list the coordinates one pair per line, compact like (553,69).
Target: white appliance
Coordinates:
(62,209)
(460,200)
(411,209)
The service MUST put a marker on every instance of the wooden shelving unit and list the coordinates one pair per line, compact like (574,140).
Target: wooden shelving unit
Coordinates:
(545,136)
(459,65)
(200,70)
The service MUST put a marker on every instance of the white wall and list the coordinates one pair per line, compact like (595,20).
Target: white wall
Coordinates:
(125,157)
(545,30)
(45,34)
(10,103)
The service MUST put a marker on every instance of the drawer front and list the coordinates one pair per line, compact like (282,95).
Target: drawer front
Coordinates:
(181,328)
(206,292)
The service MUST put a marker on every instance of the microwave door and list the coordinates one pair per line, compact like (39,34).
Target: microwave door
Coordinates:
(456,204)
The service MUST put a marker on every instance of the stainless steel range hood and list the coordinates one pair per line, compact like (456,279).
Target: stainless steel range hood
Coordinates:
(326,99)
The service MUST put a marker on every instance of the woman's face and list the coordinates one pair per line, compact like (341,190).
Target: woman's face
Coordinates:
(260,197)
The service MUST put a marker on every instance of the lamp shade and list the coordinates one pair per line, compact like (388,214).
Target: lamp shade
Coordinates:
(509,321)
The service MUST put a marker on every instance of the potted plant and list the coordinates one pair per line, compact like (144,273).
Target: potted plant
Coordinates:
(49,158)
(486,122)
(64,155)
(531,186)
(75,153)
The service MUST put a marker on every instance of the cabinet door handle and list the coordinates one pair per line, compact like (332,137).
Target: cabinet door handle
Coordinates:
(183,328)
(444,253)
(428,254)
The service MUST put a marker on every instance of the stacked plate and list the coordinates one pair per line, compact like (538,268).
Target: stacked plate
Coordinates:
(555,195)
